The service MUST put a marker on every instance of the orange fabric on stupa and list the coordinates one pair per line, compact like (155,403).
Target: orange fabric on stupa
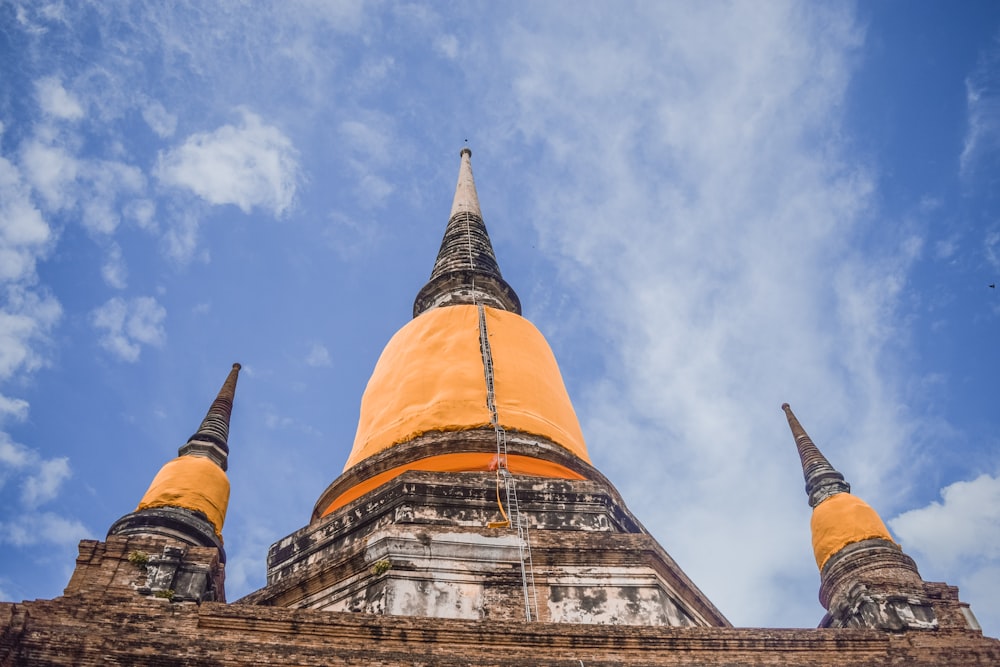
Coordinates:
(530,393)
(840,520)
(460,462)
(430,378)
(194,483)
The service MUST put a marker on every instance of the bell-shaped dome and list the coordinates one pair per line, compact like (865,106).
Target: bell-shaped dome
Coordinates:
(843,519)
(431,377)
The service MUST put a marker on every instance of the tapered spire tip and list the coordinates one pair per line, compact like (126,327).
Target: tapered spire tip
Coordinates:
(466,269)
(212,437)
(822,479)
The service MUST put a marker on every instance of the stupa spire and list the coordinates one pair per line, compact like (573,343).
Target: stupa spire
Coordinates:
(822,479)
(212,437)
(466,269)
(865,578)
(188,498)
(466,198)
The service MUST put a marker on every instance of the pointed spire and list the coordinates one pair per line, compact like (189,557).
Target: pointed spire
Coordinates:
(466,269)
(822,479)
(188,498)
(865,578)
(211,440)
(466,199)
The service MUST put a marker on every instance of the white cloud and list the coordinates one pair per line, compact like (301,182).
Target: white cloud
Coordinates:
(141,211)
(274,421)
(250,165)
(12,454)
(368,140)
(180,240)
(41,479)
(43,485)
(105,182)
(159,119)
(447,45)
(958,540)
(52,171)
(24,234)
(65,181)
(350,237)
(991,248)
(966,525)
(42,528)
(982,138)
(318,356)
(373,73)
(340,15)
(25,320)
(13,408)
(114,271)
(128,325)
(56,100)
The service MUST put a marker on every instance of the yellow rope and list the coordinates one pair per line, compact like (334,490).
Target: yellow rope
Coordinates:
(506,519)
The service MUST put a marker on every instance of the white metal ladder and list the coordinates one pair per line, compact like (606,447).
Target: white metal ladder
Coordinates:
(517,519)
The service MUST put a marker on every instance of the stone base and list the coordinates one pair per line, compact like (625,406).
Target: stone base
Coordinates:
(421,545)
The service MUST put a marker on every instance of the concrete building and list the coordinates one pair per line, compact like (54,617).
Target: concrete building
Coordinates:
(468,527)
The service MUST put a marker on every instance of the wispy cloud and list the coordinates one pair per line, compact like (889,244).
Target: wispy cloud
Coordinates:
(368,142)
(447,45)
(25,322)
(43,485)
(180,237)
(28,314)
(706,227)
(13,408)
(52,171)
(318,356)
(24,234)
(159,119)
(40,480)
(126,326)
(42,528)
(982,94)
(249,165)
(991,248)
(57,101)
(114,270)
(96,188)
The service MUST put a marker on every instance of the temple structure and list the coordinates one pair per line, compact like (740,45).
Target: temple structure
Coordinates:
(467,527)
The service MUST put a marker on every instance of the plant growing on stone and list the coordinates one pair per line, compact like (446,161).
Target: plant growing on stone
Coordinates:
(381,566)
(139,558)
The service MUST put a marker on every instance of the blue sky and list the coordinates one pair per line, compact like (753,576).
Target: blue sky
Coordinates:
(708,208)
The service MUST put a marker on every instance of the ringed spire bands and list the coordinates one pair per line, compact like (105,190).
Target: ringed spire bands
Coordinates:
(211,440)
(839,519)
(466,269)
(188,498)
(822,479)
(431,377)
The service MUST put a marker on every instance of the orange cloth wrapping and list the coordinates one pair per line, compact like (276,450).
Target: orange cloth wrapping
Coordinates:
(530,393)
(460,462)
(840,520)
(194,483)
(430,378)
